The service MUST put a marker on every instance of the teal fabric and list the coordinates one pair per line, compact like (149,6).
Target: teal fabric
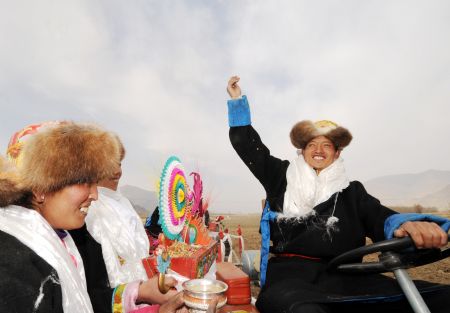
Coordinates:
(239,112)
(394,221)
(162,265)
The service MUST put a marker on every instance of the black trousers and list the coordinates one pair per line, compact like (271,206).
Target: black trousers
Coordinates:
(437,303)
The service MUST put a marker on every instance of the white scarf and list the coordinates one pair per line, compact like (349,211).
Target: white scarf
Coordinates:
(30,228)
(114,224)
(305,189)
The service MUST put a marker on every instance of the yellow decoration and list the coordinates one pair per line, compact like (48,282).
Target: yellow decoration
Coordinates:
(325,123)
(180,195)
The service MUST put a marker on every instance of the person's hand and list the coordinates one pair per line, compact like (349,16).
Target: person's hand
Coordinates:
(233,88)
(149,291)
(424,234)
(213,305)
(174,305)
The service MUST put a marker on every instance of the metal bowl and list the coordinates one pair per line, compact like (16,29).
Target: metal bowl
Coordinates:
(199,292)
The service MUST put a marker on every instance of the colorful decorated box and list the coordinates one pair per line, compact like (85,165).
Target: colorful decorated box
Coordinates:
(185,245)
(194,266)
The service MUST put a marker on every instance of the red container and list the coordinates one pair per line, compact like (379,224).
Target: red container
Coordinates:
(241,308)
(150,266)
(195,266)
(238,283)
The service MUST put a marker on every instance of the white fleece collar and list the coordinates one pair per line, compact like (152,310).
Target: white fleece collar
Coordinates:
(305,189)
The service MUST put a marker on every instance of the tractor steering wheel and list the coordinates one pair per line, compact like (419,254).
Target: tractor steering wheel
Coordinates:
(396,253)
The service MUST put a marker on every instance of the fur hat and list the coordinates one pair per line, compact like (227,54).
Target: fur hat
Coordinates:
(304,131)
(19,138)
(122,150)
(64,154)
(10,189)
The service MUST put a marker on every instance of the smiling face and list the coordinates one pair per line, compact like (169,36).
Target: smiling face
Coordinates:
(320,153)
(67,208)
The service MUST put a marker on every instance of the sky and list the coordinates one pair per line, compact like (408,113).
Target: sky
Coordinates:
(155,72)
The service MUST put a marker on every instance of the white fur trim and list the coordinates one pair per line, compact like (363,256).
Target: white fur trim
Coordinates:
(305,189)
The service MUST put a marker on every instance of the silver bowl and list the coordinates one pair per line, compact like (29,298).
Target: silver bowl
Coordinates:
(199,292)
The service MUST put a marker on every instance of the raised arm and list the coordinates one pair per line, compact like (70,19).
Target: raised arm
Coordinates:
(269,170)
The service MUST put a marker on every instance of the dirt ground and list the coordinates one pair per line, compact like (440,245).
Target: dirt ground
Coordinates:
(438,272)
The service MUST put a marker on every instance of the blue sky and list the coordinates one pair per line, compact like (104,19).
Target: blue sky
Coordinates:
(155,72)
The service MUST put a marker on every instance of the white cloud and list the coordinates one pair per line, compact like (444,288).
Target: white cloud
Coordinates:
(156,72)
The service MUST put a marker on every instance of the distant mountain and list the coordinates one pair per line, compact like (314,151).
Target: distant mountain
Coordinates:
(440,198)
(144,201)
(429,189)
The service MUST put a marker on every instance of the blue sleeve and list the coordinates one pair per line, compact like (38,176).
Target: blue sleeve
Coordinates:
(395,221)
(238,112)
(267,217)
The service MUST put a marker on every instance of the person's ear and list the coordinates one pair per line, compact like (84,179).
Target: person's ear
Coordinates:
(38,201)
(337,154)
(38,197)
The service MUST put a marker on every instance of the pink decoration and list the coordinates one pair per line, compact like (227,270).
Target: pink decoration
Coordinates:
(198,191)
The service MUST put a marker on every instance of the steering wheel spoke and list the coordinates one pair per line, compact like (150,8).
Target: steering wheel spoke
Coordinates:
(366,267)
(396,253)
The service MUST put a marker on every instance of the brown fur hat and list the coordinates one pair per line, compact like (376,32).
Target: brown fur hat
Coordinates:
(10,189)
(57,157)
(304,131)
(122,150)
(67,154)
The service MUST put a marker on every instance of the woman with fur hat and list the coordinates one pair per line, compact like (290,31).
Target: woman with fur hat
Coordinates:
(314,213)
(113,241)
(47,192)
(115,225)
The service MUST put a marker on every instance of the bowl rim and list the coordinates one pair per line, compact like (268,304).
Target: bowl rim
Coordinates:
(202,294)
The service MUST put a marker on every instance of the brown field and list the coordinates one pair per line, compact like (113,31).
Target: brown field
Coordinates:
(438,272)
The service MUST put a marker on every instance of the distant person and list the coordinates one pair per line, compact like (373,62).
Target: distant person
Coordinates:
(316,213)
(206,218)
